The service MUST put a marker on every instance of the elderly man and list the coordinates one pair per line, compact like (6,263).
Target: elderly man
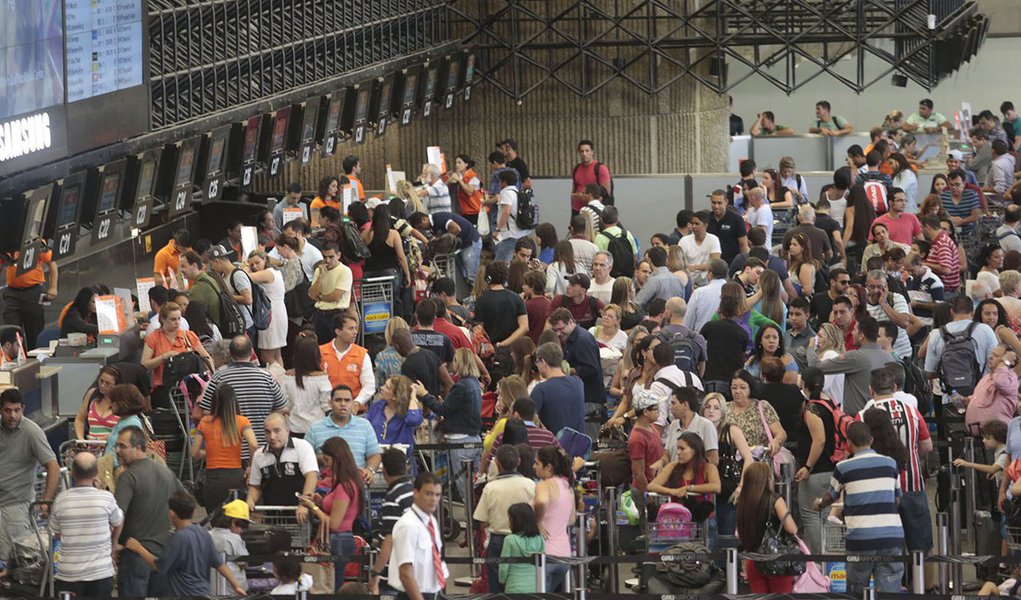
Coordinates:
(601,286)
(23,447)
(283,467)
(88,522)
(884,306)
(435,193)
(258,393)
(821,250)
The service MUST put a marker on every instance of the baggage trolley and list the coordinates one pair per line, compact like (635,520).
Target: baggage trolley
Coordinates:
(445,265)
(287,518)
(69,449)
(375,305)
(834,542)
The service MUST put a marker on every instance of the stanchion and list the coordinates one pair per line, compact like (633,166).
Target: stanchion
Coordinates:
(301,595)
(468,466)
(917,572)
(787,476)
(732,570)
(540,573)
(957,570)
(869,593)
(581,542)
(611,537)
(943,548)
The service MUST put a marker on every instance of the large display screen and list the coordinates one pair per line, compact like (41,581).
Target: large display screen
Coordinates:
(108,192)
(216,148)
(333,112)
(104,46)
(410,87)
(362,105)
(250,151)
(31,56)
(34,218)
(69,198)
(146,176)
(280,122)
(185,165)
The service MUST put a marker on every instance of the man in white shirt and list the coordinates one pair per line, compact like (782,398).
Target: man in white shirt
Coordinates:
(759,213)
(584,249)
(700,247)
(507,232)
(435,193)
(416,568)
(684,414)
(602,284)
(308,254)
(1007,233)
(668,378)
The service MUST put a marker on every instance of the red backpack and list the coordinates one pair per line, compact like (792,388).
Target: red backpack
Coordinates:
(841,421)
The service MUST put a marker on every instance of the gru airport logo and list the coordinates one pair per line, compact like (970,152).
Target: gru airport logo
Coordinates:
(24,136)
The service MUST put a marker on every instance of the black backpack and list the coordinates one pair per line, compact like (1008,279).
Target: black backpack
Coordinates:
(622,252)
(355,248)
(232,320)
(261,309)
(527,216)
(917,384)
(684,350)
(958,365)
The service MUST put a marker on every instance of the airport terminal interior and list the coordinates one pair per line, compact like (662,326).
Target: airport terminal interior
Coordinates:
(423,298)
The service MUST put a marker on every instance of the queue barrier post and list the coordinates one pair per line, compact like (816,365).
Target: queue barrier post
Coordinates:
(943,548)
(954,530)
(540,572)
(732,571)
(869,593)
(469,509)
(611,536)
(917,572)
(582,544)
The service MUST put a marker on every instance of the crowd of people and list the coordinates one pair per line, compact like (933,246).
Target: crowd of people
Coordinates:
(718,352)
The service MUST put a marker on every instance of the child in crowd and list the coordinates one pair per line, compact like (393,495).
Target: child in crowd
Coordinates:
(525,540)
(994,437)
(226,533)
(291,580)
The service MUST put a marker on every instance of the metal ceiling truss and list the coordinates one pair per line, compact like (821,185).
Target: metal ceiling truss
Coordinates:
(651,44)
(212,55)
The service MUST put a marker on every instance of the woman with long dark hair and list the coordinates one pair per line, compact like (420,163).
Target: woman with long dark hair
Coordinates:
(306,386)
(803,266)
(636,381)
(218,438)
(81,316)
(691,477)
(329,188)
(387,258)
(992,313)
(769,342)
(525,540)
(554,504)
(96,417)
(857,220)
(342,504)
(563,265)
(547,234)
(757,506)
(885,439)
(813,454)
(468,187)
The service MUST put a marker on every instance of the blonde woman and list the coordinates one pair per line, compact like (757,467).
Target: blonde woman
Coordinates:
(274,337)
(396,414)
(677,262)
(608,332)
(461,412)
(508,390)
(412,203)
(831,345)
(388,362)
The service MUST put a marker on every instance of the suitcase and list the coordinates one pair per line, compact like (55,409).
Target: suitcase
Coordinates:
(987,543)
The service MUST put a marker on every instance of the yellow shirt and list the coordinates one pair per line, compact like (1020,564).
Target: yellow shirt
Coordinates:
(339,278)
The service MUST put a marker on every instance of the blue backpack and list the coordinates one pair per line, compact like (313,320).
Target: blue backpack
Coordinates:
(575,443)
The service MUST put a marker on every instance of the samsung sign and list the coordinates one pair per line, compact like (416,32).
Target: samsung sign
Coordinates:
(24,136)
(33,139)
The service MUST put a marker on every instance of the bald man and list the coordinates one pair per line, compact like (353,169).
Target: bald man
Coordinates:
(88,522)
(285,466)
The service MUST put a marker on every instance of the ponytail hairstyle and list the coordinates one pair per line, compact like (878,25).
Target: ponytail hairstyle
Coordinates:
(555,457)
(812,381)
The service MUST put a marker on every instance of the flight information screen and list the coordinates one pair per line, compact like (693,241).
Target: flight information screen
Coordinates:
(31,56)
(104,46)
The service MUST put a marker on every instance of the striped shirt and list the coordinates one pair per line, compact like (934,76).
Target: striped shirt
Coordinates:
(944,253)
(963,209)
(82,517)
(257,392)
(358,433)
(911,428)
(399,498)
(538,438)
(871,486)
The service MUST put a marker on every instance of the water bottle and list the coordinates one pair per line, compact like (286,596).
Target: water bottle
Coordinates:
(957,401)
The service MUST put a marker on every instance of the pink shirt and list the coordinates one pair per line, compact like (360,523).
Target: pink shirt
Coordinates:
(994,398)
(903,229)
(339,493)
(557,519)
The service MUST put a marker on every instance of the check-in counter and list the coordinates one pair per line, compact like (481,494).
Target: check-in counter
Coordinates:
(77,374)
(25,378)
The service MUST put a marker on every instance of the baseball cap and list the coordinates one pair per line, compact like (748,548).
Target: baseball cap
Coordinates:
(294,188)
(236,509)
(643,401)
(218,252)
(372,203)
(580,279)
(955,154)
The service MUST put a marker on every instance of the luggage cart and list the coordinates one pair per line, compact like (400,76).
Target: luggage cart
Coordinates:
(287,518)
(69,449)
(833,542)
(375,305)
(445,265)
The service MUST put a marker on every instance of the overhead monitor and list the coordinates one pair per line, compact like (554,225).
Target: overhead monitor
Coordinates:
(410,88)
(280,122)
(34,217)
(69,204)
(310,120)
(362,103)
(454,73)
(250,149)
(431,78)
(334,111)
(185,166)
(386,92)
(147,173)
(469,71)
(109,190)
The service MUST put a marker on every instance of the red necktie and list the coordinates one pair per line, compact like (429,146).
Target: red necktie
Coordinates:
(437,561)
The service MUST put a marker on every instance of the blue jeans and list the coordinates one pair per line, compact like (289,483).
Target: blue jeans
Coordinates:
(914,515)
(460,455)
(136,580)
(469,258)
(505,249)
(494,550)
(887,574)
(556,575)
(341,544)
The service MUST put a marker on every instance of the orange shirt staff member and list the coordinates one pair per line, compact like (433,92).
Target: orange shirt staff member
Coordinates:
(168,259)
(347,363)
(169,341)
(25,293)
(353,170)
(329,188)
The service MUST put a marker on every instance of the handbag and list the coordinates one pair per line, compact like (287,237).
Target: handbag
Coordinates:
(483,223)
(782,457)
(730,468)
(777,542)
(812,581)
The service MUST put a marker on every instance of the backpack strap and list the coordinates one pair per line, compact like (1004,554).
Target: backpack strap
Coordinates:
(673,386)
(593,307)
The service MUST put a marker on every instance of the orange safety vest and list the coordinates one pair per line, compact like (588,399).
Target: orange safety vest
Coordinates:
(345,371)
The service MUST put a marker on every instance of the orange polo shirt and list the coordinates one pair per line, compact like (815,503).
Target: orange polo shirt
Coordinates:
(167,258)
(318,203)
(357,183)
(31,277)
